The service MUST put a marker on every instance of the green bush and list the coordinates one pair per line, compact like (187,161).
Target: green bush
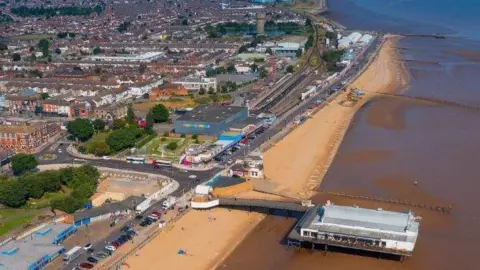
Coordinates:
(172,146)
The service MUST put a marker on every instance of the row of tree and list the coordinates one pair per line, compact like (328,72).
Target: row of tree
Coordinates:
(66,34)
(16,191)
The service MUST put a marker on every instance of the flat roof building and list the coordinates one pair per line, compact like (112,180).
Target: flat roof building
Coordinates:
(359,228)
(36,250)
(146,57)
(210,119)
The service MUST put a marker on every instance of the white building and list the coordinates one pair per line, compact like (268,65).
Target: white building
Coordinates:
(360,228)
(146,57)
(194,84)
(349,40)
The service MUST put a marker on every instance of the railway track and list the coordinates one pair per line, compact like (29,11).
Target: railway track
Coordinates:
(290,88)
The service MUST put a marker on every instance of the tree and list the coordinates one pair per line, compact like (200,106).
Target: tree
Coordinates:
(210,72)
(67,204)
(12,193)
(123,138)
(58,51)
(231,69)
(83,192)
(81,129)
(202,91)
(44,96)
(290,69)
(299,53)
(118,124)
(131,119)
(16,57)
(211,90)
(262,72)
(149,121)
(3,47)
(97,50)
(254,67)
(33,57)
(49,180)
(146,96)
(43,45)
(160,113)
(194,137)
(98,124)
(22,163)
(269,51)
(242,49)
(185,22)
(172,146)
(142,68)
(62,35)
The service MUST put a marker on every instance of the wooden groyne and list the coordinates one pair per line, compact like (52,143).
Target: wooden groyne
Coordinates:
(437,208)
(437,36)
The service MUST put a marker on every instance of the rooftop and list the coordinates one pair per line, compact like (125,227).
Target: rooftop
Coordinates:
(129,203)
(211,113)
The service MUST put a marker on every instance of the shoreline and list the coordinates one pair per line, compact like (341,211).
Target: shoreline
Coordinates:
(313,144)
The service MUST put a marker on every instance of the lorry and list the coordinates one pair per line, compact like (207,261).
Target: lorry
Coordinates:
(72,254)
(169,202)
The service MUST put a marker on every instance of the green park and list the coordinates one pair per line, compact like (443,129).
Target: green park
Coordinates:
(30,196)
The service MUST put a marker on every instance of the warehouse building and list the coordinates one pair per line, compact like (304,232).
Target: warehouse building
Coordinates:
(210,119)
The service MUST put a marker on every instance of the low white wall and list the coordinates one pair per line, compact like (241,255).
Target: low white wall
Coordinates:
(204,205)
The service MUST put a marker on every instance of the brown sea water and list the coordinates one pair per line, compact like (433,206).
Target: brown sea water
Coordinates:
(392,143)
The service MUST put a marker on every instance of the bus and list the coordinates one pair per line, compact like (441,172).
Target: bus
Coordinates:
(72,254)
(136,160)
(161,163)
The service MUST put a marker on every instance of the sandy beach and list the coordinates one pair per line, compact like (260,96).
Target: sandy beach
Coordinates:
(297,163)
(300,161)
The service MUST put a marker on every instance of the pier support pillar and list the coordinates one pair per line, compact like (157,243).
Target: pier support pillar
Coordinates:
(402,259)
(325,250)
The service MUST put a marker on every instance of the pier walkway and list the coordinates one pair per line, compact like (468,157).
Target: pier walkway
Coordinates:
(266,204)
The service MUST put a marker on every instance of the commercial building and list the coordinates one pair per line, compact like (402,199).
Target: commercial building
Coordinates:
(36,250)
(193,85)
(287,48)
(359,228)
(26,137)
(260,24)
(209,119)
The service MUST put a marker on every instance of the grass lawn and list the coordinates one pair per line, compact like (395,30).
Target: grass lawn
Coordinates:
(33,37)
(14,218)
(100,137)
(46,198)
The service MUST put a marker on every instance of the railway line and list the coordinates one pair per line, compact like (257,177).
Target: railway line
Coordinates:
(289,89)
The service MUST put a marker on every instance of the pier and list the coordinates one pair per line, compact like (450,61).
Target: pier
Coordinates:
(378,231)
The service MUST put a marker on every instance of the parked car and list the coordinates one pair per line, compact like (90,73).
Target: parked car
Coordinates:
(138,217)
(108,251)
(102,255)
(87,246)
(92,260)
(157,212)
(86,265)
(125,228)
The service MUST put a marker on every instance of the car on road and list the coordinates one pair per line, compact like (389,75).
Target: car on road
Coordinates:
(92,260)
(59,150)
(87,246)
(106,157)
(192,176)
(183,170)
(86,265)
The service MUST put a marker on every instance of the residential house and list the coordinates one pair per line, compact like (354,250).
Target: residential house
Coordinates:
(26,137)
(110,112)
(25,102)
